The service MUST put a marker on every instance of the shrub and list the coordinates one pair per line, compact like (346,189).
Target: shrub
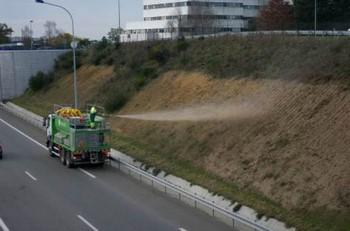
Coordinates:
(116,101)
(149,70)
(184,59)
(102,57)
(39,81)
(181,45)
(65,61)
(139,82)
(102,44)
(159,53)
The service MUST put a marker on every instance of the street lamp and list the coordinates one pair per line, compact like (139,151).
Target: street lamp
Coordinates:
(73,44)
(119,13)
(315,22)
(31,35)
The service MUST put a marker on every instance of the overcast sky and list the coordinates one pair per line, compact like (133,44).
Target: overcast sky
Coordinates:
(93,19)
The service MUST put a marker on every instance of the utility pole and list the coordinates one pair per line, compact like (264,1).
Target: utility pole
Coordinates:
(315,23)
(31,35)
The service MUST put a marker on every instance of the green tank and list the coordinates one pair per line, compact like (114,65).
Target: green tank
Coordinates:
(75,139)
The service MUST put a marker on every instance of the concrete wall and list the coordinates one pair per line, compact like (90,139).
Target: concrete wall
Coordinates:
(16,68)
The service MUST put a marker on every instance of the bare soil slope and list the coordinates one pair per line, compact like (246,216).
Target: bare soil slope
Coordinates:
(285,139)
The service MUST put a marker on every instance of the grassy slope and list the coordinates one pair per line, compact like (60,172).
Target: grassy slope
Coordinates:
(289,162)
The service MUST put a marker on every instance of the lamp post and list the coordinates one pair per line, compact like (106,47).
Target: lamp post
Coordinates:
(119,30)
(119,13)
(73,44)
(315,22)
(31,35)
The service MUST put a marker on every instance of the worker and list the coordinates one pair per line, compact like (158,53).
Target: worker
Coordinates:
(93,113)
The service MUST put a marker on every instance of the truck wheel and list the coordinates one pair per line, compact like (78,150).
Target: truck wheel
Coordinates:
(50,151)
(69,160)
(63,157)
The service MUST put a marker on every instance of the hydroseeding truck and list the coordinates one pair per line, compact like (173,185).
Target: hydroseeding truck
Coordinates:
(78,138)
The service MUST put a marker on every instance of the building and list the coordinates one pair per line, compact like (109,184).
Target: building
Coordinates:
(173,18)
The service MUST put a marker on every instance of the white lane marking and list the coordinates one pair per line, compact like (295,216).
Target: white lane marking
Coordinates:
(87,173)
(87,223)
(3,226)
(30,175)
(23,134)
(182,229)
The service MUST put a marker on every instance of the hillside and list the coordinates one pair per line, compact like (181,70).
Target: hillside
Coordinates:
(263,121)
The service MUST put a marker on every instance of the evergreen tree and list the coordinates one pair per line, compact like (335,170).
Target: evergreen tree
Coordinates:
(328,11)
(5,33)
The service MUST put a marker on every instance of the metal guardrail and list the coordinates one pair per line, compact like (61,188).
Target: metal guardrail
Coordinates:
(24,114)
(215,208)
(37,121)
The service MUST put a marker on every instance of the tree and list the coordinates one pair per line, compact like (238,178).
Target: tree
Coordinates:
(114,34)
(276,15)
(5,33)
(50,30)
(327,11)
(61,40)
(27,34)
(200,18)
(176,23)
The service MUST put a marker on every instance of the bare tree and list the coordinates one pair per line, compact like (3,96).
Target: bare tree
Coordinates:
(51,30)
(175,24)
(276,15)
(200,18)
(27,35)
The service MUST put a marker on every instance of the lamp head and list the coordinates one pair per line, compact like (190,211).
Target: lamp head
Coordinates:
(39,1)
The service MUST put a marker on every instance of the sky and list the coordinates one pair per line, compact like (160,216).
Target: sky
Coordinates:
(93,19)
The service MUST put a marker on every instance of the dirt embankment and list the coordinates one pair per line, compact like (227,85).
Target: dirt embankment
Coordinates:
(286,139)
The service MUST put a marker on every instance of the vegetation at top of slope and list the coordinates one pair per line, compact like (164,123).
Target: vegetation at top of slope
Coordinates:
(313,60)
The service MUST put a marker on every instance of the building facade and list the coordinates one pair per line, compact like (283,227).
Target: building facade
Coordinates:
(163,19)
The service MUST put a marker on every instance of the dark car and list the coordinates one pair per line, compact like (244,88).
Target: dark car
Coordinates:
(0,151)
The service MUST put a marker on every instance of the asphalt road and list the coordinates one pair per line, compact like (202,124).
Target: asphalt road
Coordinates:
(38,193)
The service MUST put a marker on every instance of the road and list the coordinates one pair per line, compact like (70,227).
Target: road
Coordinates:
(38,193)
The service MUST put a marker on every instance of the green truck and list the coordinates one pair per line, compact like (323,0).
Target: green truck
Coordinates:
(78,138)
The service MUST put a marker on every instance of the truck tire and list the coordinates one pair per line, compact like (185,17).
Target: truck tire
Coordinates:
(100,164)
(69,161)
(50,151)
(63,157)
